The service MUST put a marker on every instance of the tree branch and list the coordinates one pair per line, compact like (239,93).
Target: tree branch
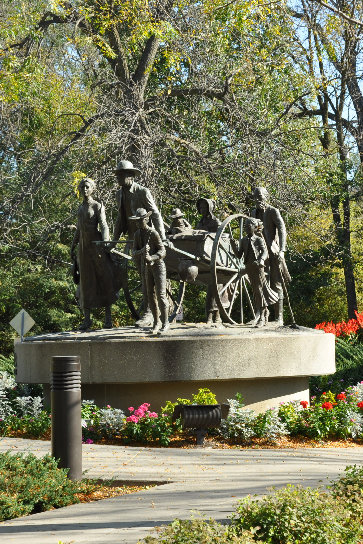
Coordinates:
(142,72)
(43,24)
(340,13)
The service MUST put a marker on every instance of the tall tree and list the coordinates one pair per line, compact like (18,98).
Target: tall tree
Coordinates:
(330,42)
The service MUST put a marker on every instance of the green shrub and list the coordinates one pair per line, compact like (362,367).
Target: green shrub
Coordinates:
(204,396)
(290,413)
(7,364)
(349,368)
(295,515)
(349,489)
(269,425)
(239,424)
(29,485)
(27,425)
(198,531)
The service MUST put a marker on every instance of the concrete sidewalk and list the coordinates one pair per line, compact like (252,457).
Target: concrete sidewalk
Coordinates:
(207,481)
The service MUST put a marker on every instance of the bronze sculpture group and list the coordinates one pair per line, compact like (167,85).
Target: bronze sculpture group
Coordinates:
(139,220)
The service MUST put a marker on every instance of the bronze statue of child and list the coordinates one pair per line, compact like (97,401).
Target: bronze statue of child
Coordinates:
(178,223)
(254,250)
(149,253)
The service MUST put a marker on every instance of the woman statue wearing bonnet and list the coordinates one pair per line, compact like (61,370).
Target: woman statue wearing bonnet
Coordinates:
(99,275)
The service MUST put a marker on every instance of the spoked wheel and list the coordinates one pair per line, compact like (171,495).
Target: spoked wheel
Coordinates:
(228,272)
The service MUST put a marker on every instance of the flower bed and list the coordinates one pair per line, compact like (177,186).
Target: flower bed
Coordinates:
(328,417)
(346,329)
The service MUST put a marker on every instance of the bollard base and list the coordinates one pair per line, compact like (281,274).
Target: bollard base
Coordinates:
(200,434)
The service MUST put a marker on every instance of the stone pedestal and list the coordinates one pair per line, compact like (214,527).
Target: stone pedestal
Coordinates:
(125,367)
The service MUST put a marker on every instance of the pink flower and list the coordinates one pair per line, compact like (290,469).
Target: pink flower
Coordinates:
(153,414)
(132,419)
(108,406)
(139,412)
(88,441)
(304,403)
(131,409)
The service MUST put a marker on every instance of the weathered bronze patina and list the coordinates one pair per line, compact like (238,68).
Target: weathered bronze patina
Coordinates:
(149,253)
(274,232)
(99,276)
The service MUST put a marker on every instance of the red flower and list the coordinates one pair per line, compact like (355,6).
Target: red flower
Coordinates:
(343,328)
(327,406)
(359,318)
(341,396)
(360,405)
(304,403)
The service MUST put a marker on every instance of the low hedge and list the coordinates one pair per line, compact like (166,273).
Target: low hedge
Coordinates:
(29,485)
(293,515)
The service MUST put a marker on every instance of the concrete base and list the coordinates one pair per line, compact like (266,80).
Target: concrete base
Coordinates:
(125,367)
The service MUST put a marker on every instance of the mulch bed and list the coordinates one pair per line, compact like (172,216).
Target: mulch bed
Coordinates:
(187,440)
(107,491)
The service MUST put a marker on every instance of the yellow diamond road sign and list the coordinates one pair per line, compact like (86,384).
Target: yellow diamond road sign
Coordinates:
(22,322)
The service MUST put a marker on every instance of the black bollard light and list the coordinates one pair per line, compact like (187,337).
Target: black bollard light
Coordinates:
(66,413)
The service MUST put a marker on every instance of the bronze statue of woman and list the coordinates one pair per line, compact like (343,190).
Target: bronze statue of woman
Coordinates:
(100,279)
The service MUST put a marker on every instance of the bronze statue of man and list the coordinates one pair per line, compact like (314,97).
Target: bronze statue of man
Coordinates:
(130,197)
(274,232)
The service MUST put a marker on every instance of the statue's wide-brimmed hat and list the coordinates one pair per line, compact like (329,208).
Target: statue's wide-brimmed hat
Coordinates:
(127,166)
(175,213)
(141,213)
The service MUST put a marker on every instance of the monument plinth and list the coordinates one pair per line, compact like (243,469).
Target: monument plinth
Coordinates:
(126,366)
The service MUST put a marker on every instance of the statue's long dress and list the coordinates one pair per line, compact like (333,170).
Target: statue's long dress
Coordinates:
(100,278)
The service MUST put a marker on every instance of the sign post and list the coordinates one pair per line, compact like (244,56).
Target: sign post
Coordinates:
(22,323)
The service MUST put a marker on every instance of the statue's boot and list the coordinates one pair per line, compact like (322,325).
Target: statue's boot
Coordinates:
(87,322)
(146,320)
(209,318)
(165,327)
(217,317)
(263,319)
(156,327)
(165,321)
(108,319)
(279,316)
(266,313)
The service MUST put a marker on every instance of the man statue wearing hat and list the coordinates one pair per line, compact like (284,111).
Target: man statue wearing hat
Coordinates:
(149,253)
(130,197)
(274,233)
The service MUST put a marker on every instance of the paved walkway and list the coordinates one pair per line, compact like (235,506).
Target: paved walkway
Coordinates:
(207,481)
